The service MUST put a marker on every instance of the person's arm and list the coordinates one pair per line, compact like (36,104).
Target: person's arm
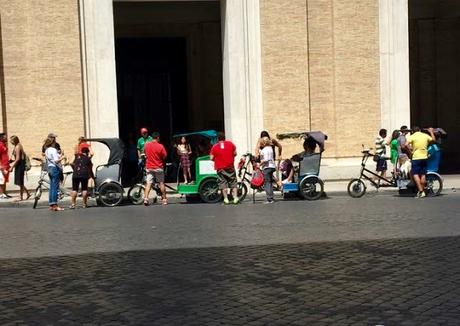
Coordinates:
(234,150)
(91,153)
(17,157)
(211,155)
(279,146)
(433,136)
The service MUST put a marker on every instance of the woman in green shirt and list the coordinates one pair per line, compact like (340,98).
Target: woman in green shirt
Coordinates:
(394,149)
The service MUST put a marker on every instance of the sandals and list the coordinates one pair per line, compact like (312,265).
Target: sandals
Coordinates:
(146,202)
(164,201)
(72,206)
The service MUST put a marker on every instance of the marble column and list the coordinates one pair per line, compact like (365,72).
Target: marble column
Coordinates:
(394,63)
(99,72)
(242,76)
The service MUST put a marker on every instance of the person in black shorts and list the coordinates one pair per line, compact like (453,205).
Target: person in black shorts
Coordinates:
(81,172)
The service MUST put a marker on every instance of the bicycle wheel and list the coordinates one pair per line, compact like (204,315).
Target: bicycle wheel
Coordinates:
(433,184)
(311,188)
(110,194)
(37,195)
(136,194)
(242,189)
(209,191)
(356,188)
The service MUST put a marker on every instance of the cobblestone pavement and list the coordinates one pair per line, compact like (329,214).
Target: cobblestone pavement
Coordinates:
(384,282)
(379,260)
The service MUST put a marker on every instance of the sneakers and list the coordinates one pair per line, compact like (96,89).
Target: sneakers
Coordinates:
(236,201)
(270,201)
(226,201)
(420,194)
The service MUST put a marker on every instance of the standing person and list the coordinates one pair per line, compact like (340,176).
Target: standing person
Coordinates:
(81,172)
(380,152)
(52,137)
(81,145)
(184,151)
(418,143)
(144,139)
(403,149)
(53,162)
(223,154)
(394,150)
(268,165)
(19,166)
(155,154)
(4,166)
(274,144)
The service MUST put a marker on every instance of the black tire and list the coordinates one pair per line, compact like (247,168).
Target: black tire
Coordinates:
(209,191)
(356,188)
(110,194)
(136,194)
(192,198)
(242,191)
(37,195)
(433,184)
(311,188)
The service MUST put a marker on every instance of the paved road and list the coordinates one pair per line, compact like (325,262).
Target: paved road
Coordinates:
(377,260)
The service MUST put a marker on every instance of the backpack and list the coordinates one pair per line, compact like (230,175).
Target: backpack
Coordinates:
(28,165)
(257,179)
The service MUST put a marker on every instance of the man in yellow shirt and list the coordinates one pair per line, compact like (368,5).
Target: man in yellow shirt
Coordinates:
(418,143)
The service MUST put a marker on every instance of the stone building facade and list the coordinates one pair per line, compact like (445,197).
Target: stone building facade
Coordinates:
(333,65)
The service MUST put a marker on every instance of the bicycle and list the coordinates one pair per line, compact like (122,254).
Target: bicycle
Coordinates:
(357,188)
(44,183)
(136,191)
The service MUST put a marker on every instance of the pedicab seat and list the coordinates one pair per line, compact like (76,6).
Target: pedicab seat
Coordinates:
(106,172)
(310,165)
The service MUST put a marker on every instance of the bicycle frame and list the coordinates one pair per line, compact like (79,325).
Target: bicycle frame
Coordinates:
(368,174)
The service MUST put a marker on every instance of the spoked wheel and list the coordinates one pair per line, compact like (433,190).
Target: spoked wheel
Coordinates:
(242,191)
(433,184)
(311,188)
(37,195)
(110,194)
(136,194)
(356,188)
(209,191)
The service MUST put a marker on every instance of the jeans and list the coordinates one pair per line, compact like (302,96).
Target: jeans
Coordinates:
(268,182)
(53,173)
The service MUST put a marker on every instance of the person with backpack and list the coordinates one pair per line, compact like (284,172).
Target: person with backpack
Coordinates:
(19,167)
(4,166)
(267,162)
(81,173)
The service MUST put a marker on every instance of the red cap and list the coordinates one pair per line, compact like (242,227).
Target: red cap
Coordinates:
(144,131)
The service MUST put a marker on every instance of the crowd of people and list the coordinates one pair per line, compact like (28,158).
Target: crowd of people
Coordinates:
(408,153)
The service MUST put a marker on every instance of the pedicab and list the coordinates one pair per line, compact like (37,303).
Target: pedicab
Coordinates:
(205,186)
(108,189)
(306,182)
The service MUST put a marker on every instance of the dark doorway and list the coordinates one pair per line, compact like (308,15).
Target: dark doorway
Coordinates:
(434,38)
(152,85)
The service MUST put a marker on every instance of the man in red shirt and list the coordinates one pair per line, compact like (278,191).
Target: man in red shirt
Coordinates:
(155,154)
(223,154)
(4,166)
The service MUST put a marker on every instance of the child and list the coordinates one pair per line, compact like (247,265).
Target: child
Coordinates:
(184,151)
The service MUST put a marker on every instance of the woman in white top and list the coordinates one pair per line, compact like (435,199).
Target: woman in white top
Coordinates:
(53,163)
(267,162)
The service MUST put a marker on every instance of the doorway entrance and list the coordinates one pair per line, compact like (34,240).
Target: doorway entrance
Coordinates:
(434,43)
(169,67)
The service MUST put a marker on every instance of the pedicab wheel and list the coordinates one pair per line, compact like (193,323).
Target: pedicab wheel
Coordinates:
(192,198)
(136,194)
(433,184)
(242,191)
(311,188)
(356,188)
(209,191)
(110,194)
(37,195)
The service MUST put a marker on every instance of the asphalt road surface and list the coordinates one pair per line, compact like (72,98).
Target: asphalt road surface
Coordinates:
(378,260)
